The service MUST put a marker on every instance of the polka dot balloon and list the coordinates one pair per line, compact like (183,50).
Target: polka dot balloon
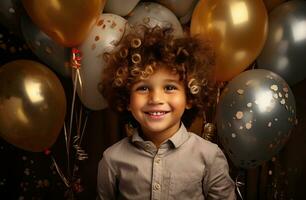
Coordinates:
(255,116)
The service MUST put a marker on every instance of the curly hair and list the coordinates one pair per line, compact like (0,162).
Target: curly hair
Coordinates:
(142,51)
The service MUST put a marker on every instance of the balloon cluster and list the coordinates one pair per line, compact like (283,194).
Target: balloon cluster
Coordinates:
(256,110)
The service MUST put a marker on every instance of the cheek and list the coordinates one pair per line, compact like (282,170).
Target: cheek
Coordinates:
(179,102)
(136,102)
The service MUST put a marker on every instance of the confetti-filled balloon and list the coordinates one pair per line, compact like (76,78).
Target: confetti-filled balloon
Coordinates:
(108,30)
(32,105)
(51,53)
(284,50)
(255,116)
(119,8)
(153,14)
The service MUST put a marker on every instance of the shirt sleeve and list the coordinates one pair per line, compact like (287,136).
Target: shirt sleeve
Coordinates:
(106,181)
(218,184)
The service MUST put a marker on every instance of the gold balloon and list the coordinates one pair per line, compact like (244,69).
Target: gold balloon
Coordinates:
(32,105)
(65,21)
(237,30)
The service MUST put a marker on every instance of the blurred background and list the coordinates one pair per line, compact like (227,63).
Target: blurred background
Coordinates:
(55,125)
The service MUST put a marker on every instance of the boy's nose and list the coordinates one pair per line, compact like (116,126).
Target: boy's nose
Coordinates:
(156,97)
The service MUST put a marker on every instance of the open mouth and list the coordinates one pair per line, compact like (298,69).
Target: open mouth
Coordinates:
(157,114)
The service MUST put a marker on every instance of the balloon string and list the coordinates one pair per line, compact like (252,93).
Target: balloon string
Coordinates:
(67,147)
(60,173)
(239,184)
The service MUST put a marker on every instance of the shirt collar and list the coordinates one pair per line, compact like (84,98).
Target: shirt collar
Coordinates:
(177,139)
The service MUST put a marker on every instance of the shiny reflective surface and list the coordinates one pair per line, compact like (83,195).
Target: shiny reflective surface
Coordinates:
(284,50)
(32,105)
(61,19)
(237,29)
(255,115)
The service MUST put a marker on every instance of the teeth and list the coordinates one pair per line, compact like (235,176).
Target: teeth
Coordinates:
(156,113)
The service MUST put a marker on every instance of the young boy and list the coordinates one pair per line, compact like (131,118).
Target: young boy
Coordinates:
(158,84)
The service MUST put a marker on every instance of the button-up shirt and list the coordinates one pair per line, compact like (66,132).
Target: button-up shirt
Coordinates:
(184,167)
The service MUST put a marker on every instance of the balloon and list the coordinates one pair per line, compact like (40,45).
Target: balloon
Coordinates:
(108,30)
(284,50)
(237,30)
(255,115)
(119,8)
(271,4)
(153,14)
(50,52)
(32,105)
(179,7)
(68,21)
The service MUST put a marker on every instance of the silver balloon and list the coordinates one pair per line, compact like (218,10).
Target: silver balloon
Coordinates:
(255,116)
(179,7)
(103,37)
(51,53)
(285,47)
(120,8)
(153,14)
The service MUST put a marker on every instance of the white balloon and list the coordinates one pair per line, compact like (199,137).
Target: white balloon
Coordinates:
(153,14)
(107,31)
(119,7)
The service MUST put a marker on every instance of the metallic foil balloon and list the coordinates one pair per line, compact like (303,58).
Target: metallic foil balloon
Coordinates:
(46,49)
(271,4)
(153,14)
(108,30)
(255,116)
(284,50)
(179,7)
(119,7)
(67,21)
(32,105)
(237,30)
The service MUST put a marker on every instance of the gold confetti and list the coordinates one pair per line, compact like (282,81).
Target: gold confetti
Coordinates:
(269,124)
(283,101)
(249,105)
(276,119)
(233,135)
(240,91)
(274,87)
(275,96)
(239,115)
(248,125)
(280,94)
(286,95)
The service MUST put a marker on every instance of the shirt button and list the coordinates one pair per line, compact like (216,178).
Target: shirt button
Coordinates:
(157,161)
(156,186)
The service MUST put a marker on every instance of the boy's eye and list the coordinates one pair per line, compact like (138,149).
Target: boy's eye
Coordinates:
(142,88)
(170,87)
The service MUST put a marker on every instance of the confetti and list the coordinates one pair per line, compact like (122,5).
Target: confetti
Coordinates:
(274,87)
(240,91)
(249,105)
(239,115)
(248,125)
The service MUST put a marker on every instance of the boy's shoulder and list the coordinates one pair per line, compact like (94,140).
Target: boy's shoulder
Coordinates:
(207,149)
(118,148)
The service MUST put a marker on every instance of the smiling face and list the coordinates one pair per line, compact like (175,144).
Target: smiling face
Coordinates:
(158,103)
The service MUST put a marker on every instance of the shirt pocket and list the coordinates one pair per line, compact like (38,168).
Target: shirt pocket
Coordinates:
(186,186)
